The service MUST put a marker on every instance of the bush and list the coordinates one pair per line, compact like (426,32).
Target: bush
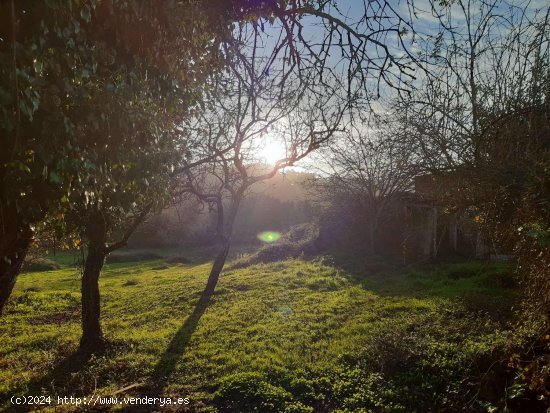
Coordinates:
(300,239)
(34,264)
(250,392)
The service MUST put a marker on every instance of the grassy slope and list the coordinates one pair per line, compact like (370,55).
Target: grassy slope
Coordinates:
(311,334)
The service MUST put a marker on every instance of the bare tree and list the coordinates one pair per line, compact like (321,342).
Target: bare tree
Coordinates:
(482,58)
(260,99)
(368,169)
(482,116)
(299,74)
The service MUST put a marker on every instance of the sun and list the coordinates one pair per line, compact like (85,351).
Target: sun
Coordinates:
(272,151)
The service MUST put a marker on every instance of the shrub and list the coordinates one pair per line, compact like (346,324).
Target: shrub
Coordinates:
(35,264)
(300,239)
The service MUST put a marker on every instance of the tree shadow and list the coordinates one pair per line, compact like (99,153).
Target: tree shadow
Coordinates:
(477,287)
(166,366)
(56,379)
(175,350)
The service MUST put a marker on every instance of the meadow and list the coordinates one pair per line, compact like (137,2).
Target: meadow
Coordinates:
(330,334)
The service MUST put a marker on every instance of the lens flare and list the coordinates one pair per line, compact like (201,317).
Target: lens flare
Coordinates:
(269,236)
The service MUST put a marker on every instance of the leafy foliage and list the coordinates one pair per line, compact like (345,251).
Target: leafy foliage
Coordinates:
(91,97)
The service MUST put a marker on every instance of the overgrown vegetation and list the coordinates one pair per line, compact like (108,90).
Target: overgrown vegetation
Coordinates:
(300,240)
(332,334)
(434,128)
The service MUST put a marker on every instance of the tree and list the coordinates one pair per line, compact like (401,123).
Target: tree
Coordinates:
(64,63)
(92,93)
(90,100)
(281,85)
(256,100)
(480,58)
(489,71)
(368,170)
(87,89)
(132,171)
(482,118)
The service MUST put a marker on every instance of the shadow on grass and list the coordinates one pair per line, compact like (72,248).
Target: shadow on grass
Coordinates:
(175,350)
(476,286)
(388,276)
(173,353)
(57,379)
(367,269)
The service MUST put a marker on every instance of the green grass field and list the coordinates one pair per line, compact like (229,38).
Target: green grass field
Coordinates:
(332,334)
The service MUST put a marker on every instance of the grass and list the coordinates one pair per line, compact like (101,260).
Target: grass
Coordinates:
(333,334)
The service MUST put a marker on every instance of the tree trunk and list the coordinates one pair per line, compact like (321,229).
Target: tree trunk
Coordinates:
(371,235)
(216,270)
(92,336)
(371,241)
(15,240)
(225,231)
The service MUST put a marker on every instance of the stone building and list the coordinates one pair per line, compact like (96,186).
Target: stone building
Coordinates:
(431,229)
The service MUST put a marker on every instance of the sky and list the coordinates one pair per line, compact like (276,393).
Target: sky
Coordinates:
(424,22)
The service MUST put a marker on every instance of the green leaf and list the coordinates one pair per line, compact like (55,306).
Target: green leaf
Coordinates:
(27,111)
(23,167)
(54,178)
(85,14)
